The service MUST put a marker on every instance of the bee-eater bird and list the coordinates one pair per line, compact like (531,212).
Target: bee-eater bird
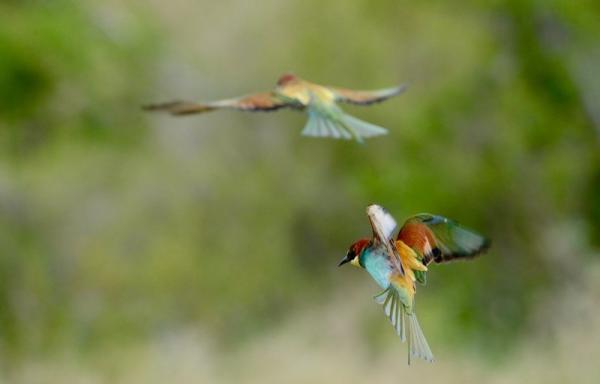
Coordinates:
(325,118)
(397,264)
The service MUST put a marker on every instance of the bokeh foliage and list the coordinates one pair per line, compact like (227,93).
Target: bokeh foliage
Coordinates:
(115,225)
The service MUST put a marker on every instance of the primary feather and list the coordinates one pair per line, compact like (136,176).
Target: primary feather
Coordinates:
(383,225)
(366,97)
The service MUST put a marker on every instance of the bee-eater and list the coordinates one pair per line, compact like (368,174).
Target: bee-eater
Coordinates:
(325,118)
(397,264)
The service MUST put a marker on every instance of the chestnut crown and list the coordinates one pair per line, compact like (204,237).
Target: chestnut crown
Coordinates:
(286,79)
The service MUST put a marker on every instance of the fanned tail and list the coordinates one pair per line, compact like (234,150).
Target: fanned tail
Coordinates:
(405,323)
(339,125)
(319,125)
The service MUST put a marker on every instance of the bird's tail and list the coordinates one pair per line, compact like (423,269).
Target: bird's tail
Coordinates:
(417,344)
(339,126)
(405,323)
(179,108)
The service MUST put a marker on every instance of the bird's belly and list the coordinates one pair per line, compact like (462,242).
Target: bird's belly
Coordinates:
(378,266)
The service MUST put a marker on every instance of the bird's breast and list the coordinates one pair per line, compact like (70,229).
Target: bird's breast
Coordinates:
(376,262)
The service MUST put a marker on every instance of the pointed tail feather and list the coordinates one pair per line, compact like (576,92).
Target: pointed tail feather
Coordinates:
(405,324)
(417,344)
(361,128)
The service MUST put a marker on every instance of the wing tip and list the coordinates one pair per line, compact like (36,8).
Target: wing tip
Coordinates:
(165,106)
(375,208)
(401,88)
(468,254)
(372,205)
(178,108)
(485,245)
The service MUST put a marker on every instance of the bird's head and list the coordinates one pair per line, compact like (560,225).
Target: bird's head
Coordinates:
(287,79)
(354,253)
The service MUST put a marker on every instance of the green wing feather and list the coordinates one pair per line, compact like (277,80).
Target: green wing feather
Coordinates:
(421,277)
(452,241)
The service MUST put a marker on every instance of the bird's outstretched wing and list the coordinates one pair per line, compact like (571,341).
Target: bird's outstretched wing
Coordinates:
(438,239)
(366,97)
(266,101)
(383,225)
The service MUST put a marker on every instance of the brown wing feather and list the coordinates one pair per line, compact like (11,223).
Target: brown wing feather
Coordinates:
(420,238)
(366,97)
(179,107)
(265,101)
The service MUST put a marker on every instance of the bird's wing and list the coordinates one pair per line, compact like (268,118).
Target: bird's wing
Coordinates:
(366,97)
(438,239)
(382,222)
(383,225)
(266,101)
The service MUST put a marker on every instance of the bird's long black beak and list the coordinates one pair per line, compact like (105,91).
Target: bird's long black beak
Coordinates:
(345,260)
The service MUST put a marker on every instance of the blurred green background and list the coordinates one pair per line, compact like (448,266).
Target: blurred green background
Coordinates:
(140,248)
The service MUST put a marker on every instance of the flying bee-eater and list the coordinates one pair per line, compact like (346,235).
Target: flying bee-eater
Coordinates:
(396,265)
(325,117)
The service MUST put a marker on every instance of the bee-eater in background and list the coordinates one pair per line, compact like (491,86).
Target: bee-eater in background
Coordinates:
(397,265)
(325,118)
